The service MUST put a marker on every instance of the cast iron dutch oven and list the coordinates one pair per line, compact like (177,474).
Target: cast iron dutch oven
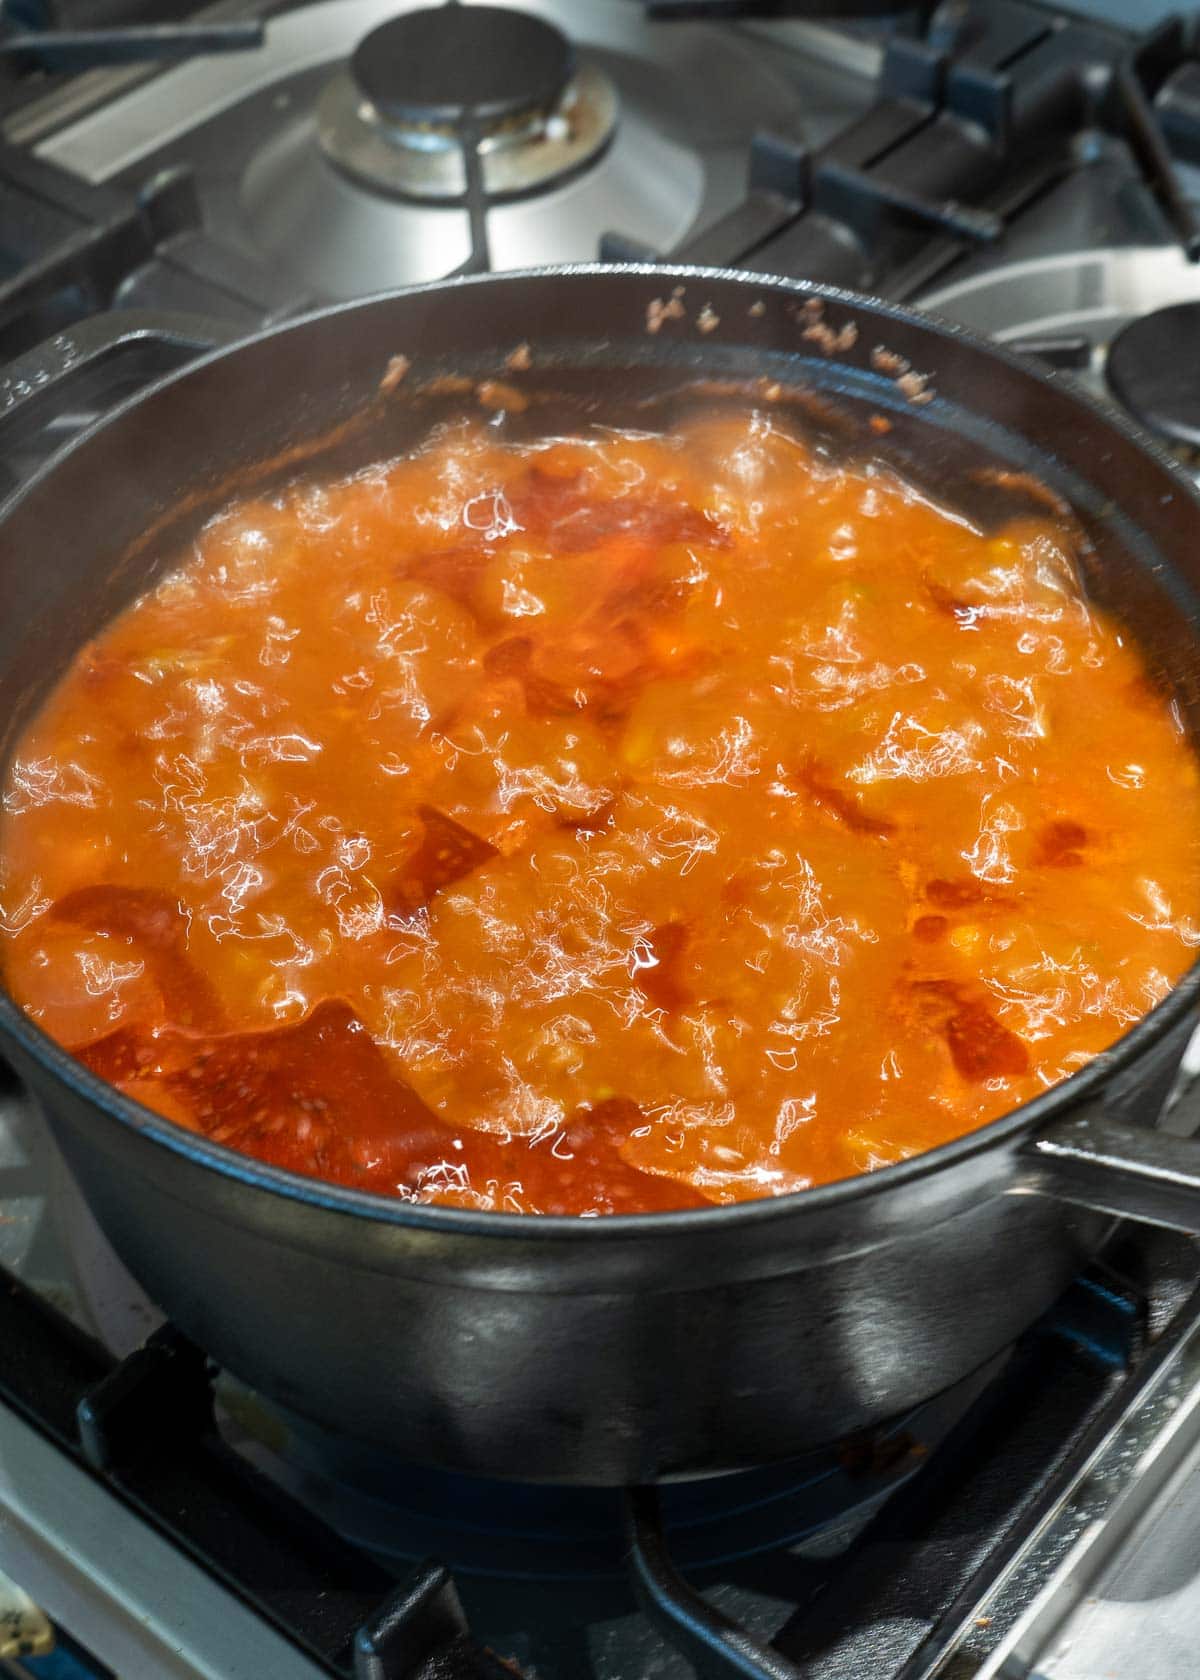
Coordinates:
(623,1349)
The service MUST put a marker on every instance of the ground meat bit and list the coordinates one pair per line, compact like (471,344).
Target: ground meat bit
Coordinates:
(494,394)
(393,374)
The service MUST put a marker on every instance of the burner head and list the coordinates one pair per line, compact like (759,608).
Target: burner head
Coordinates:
(525,1532)
(446,64)
(1152,369)
(393,120)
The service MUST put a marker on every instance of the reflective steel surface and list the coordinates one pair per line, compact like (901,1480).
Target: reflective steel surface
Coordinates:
(689,98)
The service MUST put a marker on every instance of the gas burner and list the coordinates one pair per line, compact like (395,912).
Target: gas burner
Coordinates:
(423,83)
(1123,321)
(400,1511)
(443,66)
(1090,293)
(344,202)
(1151,368)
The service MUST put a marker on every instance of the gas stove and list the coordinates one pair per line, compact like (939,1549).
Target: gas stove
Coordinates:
(1032,174)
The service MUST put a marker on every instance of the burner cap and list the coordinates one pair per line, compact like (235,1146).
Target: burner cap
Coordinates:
(1154,369)
(445,63)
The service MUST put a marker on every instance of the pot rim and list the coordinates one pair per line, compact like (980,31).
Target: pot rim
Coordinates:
(436,1218)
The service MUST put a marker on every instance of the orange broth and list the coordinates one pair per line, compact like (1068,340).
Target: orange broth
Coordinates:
(612,824)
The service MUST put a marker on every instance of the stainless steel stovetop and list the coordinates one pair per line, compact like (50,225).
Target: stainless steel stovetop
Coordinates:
(1101,1577)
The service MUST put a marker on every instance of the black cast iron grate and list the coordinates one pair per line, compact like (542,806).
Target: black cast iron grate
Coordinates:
(69,248)
(978,115)
(981,110)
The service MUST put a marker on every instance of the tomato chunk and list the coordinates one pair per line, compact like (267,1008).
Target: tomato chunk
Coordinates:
(317,1097)
(445,853)
(981,1046)
(321,1098)
(846,807)
(576,516)
(157,925)
(659,966)
(1060,844)
(591,1175)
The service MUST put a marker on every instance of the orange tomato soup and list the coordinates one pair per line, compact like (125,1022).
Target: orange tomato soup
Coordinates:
(619,823)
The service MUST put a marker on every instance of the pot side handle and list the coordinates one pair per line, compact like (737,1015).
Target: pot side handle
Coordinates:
(1135,1172)
(147,342)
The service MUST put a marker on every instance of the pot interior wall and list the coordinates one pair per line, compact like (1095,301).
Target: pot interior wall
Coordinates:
(124,505)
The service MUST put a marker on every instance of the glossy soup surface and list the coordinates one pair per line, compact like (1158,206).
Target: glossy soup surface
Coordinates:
(614,824)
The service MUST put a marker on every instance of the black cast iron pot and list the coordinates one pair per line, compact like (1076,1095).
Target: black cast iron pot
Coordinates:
(632,1348)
